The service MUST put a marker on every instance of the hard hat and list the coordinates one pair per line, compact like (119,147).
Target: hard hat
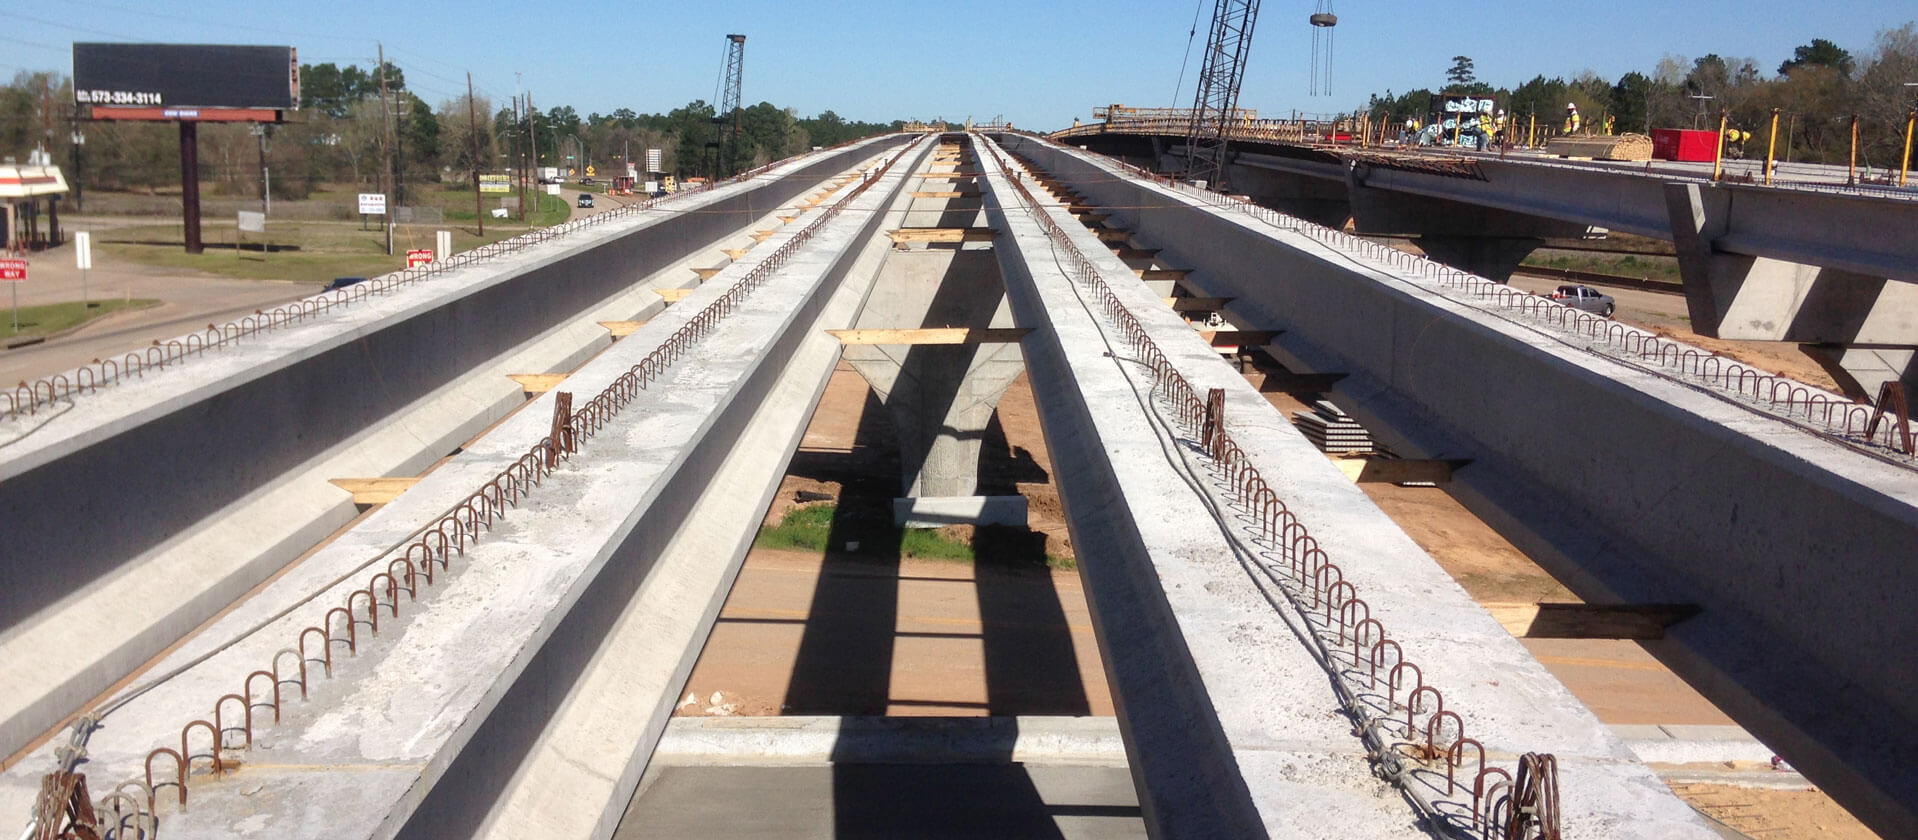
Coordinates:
(1571,106)
(1501,112)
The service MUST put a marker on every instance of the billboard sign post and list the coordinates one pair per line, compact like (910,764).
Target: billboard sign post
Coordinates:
(83,260)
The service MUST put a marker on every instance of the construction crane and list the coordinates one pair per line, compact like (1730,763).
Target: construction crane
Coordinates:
(1215,107)
(726,119)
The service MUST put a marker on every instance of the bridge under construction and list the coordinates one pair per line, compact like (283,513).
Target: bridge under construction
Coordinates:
(434,555)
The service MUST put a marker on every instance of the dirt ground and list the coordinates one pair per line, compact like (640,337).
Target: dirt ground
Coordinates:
(868,632)
(1764,813)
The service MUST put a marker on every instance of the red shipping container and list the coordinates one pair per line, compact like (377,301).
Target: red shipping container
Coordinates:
(1684,144)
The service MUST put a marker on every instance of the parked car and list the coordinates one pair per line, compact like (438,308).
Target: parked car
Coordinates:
(588,181)
(585,200)
(1586,298)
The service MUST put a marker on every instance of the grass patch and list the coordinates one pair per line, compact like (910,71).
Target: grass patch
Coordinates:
(55,317)
(810,528)
(307,251)
(1629,265)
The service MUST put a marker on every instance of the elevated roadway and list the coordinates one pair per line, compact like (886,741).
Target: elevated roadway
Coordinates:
(1811,259)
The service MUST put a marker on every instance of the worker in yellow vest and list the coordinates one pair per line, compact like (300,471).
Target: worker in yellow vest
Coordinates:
(1735,141)
(1611,124)
(1572,121)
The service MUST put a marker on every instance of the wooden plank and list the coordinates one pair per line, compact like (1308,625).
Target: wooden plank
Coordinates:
(540,383)
(708,273)
(1197,304)
(622,329)
(1316,383)
(787,220)
(1174,274)
(1589,621)
(673,295)
(733,253)
(931,335)
(762,235)
(943,234)
(1236,338)
(1106,234)
(1093,218)
(1136,253)
(1397,470)
(956,173)
(374,491)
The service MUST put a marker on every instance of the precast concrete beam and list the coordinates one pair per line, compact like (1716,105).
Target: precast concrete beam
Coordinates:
(1230,723)
(444,694)
(1783,540)
(212,473)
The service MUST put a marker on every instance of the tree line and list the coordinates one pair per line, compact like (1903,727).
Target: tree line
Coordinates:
(336,137)
(1816,93)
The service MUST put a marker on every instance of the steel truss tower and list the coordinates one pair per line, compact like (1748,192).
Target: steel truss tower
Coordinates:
(1216,103)
(728,115)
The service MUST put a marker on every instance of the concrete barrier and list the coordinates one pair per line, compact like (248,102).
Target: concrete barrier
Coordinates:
(1627,486)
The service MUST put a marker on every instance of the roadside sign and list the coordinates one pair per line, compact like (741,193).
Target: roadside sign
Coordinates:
(13,271)
(83,250)
(252,221)
(552,189)
(495,184)
(442,244)
(418,256)
(372,204)
(591,171)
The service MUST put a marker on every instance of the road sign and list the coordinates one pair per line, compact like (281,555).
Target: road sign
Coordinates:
(253,221)
(591,171)
(495,184)
(13,271)
(83,250)
(418,256)
(372,204)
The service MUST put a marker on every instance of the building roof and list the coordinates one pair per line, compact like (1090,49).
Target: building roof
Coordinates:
(24,181)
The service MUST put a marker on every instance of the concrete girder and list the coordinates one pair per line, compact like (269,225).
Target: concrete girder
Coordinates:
(1783,540)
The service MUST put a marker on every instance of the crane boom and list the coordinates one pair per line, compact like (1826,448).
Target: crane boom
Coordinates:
(1216,103)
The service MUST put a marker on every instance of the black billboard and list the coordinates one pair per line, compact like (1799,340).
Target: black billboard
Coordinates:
(186,76)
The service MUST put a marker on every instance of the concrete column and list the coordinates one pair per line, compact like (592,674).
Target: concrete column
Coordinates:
(1862,329)
(940,397)
(1493,257)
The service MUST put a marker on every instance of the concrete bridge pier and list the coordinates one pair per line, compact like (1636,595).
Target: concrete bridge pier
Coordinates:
(1483,240)
(1859,327)
(940,397)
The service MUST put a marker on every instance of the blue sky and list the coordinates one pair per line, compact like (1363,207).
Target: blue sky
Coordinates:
(1037,62)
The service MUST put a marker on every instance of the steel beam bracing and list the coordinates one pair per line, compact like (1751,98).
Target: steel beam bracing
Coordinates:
(1213,106)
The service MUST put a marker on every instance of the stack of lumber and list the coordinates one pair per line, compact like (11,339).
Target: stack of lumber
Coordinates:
(1598,147)
(1331,430)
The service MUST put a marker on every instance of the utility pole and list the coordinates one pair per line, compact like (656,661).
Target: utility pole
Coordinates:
(386,153)
(472,119)
(532,146)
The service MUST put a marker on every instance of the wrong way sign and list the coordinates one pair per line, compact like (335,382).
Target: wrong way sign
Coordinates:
(13,271)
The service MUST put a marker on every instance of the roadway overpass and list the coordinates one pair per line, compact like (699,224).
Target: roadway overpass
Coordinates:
(495,650)
(1812,259)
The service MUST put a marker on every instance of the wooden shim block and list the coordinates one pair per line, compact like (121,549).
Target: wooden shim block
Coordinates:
(942,234)
(1236,338)
(931,335)
(1130,253)
(1174,274)
(1197,304)
(1589,621)
(539,383)
(733,253)
(374,491)
(619,329)
(1093,218)
(673,295)
(762,235)
(1397,470)
(787,220)
(708,273)
(1112,234)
